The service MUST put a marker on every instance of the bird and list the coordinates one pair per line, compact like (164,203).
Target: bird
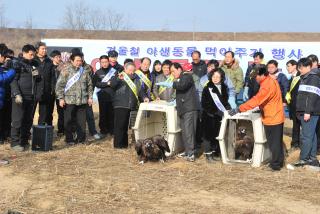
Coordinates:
(244,145)
(152,149)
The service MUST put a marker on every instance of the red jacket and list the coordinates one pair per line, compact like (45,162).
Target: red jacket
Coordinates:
(269,100)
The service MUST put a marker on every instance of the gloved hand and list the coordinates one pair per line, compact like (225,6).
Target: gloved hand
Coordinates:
(232,102)
(173,103)
(18,99)
(34,71)
(233,111)
(245,95)
(165,84)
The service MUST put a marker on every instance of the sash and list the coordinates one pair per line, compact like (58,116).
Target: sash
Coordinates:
(162,89)
(73,79)
(131,84)
(146,81)
(292,85)
(217,101)
(310,89)
(106,79)
(206,83)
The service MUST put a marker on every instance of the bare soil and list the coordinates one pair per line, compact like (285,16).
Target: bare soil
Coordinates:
(95,178)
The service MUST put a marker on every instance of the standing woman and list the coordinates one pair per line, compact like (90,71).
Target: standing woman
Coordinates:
(212,115)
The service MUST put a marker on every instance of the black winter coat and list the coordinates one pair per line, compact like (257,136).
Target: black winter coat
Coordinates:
(293,101)
(124,97)
(200,69)
(308,102)
(46,85)
(23,82)
(106,91)
(207,102)
(186,94)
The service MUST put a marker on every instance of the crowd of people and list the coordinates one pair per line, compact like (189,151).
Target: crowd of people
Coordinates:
(201,91)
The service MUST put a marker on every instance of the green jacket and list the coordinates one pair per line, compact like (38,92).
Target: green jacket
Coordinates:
(235,73)
(80,91)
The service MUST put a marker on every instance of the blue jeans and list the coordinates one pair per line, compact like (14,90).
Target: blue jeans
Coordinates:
(309,138)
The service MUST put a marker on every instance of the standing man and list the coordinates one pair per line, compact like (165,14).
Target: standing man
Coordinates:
(199,66)
(22,91)
(269,100)
(45,87)
(56,60)
(74,91)
(315,68)
(128,95)
(105,95)
(291,98)
(187,107)
(308,102)
(232,69)
(251,87)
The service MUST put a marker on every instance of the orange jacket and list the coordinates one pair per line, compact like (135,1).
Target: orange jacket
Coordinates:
(269,100)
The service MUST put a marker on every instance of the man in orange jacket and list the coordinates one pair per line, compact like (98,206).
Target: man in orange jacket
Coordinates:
(269,100)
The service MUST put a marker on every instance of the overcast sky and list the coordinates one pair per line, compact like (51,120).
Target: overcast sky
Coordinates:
(186,15)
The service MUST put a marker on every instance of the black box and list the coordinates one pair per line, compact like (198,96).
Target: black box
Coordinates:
(42,137)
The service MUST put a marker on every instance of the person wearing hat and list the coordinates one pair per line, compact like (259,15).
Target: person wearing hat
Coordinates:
(113,60)
(187,107)
(269,100)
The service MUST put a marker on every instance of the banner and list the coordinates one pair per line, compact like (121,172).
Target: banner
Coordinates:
(180,51)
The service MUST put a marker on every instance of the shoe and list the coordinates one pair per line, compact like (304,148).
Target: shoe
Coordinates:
(60,134)
(26,147)
(272,169)
(209,158)
(190,158)
(182,155)
(97,136)
(70,143)
(314,163)
(18,148)
(300,163)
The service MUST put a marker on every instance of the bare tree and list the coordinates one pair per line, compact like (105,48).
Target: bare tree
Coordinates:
(80,16)
(3,20)
(28,23)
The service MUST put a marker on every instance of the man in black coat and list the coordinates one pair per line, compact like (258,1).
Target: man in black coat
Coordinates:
(308,102)
(199,67)
(105,95)
(22,92)
(291,98)
(45,87)
(188,107)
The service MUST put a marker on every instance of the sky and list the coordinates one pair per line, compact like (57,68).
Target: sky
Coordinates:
(186,15)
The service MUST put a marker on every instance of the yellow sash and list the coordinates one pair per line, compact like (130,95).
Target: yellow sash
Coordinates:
(162,89)
(146,81)
(206,83)
(131,84)
(293,84)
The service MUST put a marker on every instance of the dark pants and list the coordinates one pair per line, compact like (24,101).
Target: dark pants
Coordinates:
(309,138)
(90,121)
(188,123)
(199,133)
(211,127)
(318,134)
(121,124)
(46,111)
(274,135)
(295,131)
(75,114)
(22,119)
(60,112)
(106,118)
(5,119)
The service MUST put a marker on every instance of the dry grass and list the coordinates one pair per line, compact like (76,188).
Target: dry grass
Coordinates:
(96,178)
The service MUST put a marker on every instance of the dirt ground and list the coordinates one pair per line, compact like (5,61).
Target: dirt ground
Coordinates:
(95,178)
